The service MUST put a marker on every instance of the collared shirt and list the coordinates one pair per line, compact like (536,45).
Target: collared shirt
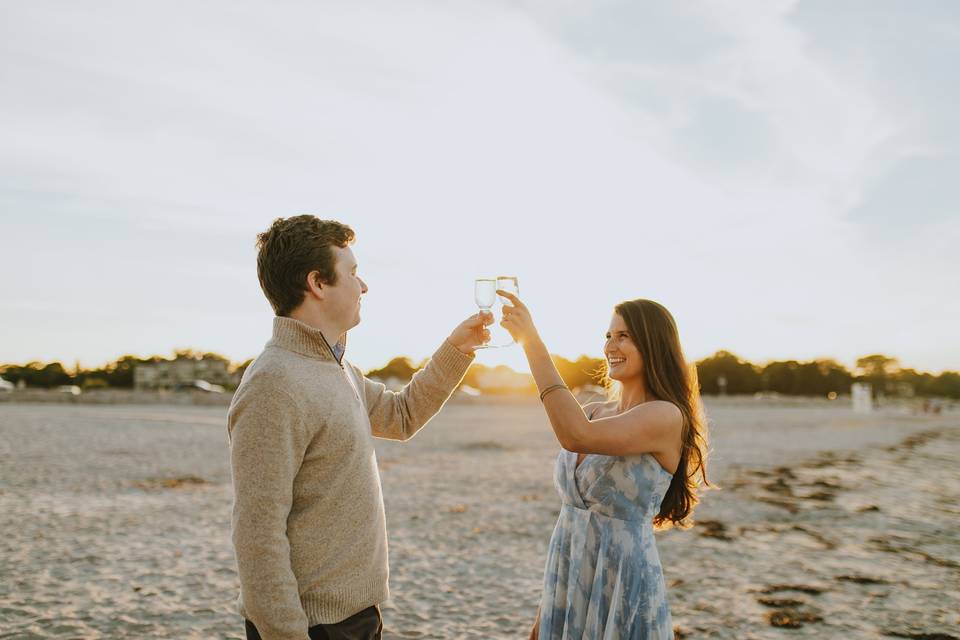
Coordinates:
(338,350)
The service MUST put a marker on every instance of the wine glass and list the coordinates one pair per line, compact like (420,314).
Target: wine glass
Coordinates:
(485,295)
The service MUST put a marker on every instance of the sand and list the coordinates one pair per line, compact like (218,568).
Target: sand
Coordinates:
(114,523)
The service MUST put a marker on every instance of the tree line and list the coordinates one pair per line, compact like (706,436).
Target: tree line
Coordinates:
(727,373)
(117,374)
(723,372)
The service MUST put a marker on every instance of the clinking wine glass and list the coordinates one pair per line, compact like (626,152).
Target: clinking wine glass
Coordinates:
(485,295)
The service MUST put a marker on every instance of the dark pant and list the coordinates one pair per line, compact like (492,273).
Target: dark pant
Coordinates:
(366,625)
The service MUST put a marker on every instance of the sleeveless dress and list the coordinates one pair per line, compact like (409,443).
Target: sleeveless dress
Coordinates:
(603,578)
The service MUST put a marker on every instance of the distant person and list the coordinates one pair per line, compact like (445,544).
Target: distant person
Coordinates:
(627,466)
(308,521)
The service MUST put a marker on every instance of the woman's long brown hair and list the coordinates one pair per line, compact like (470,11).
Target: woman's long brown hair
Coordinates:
(669,377)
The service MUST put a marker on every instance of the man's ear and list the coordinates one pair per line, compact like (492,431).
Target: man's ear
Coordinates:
(315,286)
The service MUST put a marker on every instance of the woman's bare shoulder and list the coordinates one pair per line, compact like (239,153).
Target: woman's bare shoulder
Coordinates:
(662,411)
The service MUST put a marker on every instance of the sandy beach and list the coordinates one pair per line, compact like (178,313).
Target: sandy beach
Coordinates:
(115,523)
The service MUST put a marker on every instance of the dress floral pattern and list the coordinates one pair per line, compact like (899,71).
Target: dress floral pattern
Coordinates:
(603,578)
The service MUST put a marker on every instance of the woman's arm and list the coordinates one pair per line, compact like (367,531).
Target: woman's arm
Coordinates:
(648,428)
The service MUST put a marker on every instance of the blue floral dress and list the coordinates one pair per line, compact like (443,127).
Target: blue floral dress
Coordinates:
(603,578)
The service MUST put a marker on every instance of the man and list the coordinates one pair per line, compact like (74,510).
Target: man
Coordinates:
(308,520)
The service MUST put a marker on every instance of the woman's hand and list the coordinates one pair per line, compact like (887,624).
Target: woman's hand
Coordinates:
(517,320)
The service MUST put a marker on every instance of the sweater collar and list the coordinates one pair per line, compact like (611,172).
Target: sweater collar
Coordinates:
(301,338)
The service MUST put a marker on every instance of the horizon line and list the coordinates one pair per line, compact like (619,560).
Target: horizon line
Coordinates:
(416,361)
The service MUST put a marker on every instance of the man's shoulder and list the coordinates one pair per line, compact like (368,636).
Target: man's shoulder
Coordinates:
(271,367)
(270,383)
(279,369)
(270,372)
(347,364)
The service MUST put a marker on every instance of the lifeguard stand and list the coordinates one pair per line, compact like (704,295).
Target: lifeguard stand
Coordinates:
(862,395)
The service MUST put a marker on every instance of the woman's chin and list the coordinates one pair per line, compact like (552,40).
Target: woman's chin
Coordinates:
(622,376)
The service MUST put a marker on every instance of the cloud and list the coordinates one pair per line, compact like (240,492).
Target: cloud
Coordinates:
(732,160)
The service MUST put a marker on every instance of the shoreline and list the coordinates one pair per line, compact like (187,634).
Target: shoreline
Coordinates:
(122,397)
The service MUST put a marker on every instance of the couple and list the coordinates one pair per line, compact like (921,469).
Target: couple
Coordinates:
(308,520)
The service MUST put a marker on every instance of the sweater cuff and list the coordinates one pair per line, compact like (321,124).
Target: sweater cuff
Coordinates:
(450,359)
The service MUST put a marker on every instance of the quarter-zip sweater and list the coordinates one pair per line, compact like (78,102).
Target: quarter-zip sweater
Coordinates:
(309,529)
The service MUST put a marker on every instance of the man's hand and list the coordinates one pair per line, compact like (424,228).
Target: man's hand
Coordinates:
(472,332)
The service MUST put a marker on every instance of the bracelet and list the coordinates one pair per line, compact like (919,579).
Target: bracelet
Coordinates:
(552,387)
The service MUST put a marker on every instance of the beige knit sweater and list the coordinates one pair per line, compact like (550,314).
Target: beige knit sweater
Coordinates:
(308,521)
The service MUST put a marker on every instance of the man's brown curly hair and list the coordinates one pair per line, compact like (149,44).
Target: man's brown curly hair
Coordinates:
(290,249)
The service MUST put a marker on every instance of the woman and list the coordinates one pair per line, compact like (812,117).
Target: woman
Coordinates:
(628,465)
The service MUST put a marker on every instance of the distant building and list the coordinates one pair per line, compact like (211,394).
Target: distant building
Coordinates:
(181,373)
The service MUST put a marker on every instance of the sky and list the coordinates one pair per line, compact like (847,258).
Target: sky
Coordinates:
(781,175)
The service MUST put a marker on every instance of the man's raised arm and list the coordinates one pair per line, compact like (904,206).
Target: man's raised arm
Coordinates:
(399,415)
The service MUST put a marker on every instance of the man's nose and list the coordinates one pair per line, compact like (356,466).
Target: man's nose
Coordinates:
(363,286)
